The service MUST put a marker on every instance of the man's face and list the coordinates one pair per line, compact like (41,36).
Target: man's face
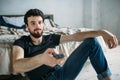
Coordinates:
(35,26)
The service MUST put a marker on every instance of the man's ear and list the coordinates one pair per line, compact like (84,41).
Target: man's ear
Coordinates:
(26,25)
(26,28)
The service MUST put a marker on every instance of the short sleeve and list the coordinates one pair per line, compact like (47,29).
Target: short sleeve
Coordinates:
(20,42)
(56,39)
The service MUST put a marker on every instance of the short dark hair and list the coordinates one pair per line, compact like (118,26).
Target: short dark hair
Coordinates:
(33,12)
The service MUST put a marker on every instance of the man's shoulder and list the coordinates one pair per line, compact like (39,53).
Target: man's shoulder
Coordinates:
(23,38)
(51,36)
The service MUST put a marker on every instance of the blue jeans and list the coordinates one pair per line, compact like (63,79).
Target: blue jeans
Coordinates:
(90,48)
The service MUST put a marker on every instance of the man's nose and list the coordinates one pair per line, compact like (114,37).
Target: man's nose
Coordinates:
(37,24)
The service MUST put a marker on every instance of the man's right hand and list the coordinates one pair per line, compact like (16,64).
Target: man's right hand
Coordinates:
(49,59)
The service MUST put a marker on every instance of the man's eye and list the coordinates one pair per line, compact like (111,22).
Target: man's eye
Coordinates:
(33,23)
(40,22)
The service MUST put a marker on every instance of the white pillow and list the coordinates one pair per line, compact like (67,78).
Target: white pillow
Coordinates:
(17,21)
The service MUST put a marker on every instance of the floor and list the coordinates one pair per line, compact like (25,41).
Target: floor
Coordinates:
(113,58)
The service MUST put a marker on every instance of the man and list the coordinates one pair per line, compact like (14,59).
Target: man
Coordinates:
(33,54)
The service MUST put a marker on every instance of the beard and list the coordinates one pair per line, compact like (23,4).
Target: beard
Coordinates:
(36,35)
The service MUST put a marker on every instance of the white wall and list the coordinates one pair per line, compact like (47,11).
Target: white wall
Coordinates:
(87,18)
(110,16)
(66,12)
(102,14)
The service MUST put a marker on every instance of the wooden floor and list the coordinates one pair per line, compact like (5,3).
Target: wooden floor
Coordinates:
(113,58)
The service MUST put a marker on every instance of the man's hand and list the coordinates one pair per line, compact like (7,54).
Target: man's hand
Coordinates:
(109,38)
(49,59)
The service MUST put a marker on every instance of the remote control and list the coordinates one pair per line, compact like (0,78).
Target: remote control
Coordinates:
(58,56)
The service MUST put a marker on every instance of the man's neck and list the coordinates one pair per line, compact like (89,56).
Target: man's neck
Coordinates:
(36,41)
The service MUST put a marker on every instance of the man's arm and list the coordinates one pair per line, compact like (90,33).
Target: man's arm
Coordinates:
(21,64)
(108,37)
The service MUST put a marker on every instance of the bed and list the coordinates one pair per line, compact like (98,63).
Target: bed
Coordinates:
(12,27)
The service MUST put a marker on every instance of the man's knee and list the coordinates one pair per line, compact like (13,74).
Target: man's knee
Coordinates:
(92,41)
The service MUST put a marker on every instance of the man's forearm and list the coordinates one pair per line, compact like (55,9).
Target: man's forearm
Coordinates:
(88,34)
(26,64)
(80,36)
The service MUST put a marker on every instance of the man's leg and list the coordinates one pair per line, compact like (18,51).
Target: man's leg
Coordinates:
(89,48)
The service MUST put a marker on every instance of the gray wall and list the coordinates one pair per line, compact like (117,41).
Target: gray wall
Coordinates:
(98,14)
(110,16)
(66,12)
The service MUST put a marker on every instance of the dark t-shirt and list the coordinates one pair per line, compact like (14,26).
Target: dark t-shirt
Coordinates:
(49,41)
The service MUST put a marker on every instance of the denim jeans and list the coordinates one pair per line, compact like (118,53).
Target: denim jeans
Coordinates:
(90,48)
